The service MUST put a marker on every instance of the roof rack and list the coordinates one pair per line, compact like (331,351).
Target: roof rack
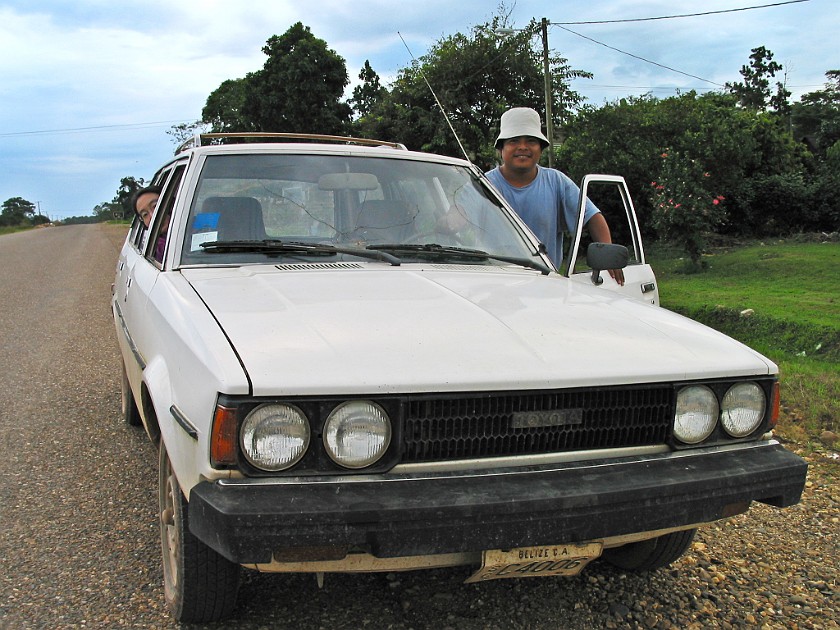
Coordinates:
(199,139)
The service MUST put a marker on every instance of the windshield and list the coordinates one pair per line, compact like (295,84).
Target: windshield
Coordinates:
(250,208)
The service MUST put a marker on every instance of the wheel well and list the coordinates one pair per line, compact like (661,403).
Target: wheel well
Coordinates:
(152,426)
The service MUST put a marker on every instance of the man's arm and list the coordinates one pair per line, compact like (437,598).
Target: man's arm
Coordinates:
(598,229)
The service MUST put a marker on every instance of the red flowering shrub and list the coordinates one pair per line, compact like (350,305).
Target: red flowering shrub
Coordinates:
(684,211)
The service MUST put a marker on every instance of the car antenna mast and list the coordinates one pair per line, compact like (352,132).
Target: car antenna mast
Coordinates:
(437,100)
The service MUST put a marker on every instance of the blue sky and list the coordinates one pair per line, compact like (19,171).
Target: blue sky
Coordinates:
(88,88)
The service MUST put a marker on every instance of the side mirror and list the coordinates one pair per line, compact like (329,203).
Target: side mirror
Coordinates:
(600,256)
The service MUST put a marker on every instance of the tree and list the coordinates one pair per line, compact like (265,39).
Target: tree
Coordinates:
(827,190)
(184,131)
(816,117)
(17,211)
(109,210)
(299,88)
(369,94)
(120,205)
(746,152)
(754,92)
(476,78)
(223,110)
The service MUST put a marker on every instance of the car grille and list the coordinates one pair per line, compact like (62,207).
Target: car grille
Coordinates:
(510,424)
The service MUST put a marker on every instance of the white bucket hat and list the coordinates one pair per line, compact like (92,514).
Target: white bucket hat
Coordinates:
(521,121)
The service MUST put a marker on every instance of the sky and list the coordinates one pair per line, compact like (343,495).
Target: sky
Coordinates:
(89,88)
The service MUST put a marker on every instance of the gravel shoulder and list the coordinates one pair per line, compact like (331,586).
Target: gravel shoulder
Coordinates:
(79,545)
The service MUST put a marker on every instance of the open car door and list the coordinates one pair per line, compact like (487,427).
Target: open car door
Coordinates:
(611,195)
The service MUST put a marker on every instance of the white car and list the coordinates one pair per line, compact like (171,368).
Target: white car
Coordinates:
(355,357)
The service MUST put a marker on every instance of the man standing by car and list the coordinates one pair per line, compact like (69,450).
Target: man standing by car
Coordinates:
(546,199)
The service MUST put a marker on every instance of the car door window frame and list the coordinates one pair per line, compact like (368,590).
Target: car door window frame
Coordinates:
(172,177)
(637,251)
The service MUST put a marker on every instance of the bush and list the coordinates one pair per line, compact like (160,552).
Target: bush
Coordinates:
(684,212)
(776,204)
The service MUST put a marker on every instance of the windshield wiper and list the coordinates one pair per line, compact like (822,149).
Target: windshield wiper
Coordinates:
(275,246)
(433,250)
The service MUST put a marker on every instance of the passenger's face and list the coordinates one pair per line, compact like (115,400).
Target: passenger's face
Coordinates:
(521,153)
(146,206)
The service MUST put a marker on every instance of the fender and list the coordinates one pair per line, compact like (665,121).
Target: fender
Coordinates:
(183,449)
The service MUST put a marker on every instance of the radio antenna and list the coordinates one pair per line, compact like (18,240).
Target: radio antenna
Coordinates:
(437,100)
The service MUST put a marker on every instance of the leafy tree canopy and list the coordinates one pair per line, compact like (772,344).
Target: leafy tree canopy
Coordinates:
(17,211)
(369,94)
(816,117)
(223,110)
(737,147)
(754,91)
(476,78)
(299,89)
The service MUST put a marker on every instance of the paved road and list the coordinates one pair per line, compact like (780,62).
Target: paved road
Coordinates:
(79,537)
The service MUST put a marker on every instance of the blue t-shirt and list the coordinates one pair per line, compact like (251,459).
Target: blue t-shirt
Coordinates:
(542,203)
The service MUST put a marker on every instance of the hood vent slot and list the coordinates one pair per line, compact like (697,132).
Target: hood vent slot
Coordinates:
(318,266)
(455,267)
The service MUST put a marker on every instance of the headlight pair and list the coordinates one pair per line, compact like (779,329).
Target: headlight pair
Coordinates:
(740,411)
(276,436)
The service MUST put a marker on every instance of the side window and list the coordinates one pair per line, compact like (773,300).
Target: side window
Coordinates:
(156,247)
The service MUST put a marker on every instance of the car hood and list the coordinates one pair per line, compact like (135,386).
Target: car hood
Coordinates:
(369,329)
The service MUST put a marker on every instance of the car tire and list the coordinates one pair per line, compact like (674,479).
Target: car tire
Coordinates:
(648,555)
(130,412)
(200,585)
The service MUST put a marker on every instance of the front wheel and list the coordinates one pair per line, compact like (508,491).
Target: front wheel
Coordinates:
(648,555)
(199,584)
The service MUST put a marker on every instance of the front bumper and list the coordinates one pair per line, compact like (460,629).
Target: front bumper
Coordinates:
(415,515)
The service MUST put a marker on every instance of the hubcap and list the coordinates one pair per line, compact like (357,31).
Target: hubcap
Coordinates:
(169,531)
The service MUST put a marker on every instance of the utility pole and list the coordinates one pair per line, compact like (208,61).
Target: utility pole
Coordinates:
(549,119)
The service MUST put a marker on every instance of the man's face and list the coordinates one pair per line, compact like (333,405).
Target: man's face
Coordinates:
(521,153)
(146,206)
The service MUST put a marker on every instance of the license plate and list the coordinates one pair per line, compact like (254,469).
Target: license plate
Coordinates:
(535,561)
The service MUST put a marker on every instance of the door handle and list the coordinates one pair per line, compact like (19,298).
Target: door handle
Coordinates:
(647,287)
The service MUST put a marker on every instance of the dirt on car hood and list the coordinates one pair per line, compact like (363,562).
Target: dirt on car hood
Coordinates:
(374,329)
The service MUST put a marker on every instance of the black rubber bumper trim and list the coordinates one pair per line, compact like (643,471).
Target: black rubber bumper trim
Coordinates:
(409,516)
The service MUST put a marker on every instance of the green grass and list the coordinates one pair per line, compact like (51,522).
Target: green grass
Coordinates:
(11,229)
(794,282)
(792,291)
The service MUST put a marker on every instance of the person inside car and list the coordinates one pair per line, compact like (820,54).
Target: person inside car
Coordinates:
(144,201)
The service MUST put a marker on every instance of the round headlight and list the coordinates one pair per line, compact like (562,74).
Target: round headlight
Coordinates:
(274,437)
(742,409)
(357,433)
(697,413)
